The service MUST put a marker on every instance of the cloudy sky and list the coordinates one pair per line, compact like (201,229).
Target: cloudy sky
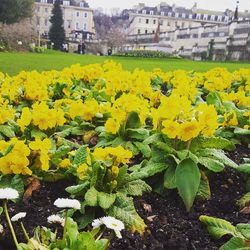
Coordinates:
(208,4)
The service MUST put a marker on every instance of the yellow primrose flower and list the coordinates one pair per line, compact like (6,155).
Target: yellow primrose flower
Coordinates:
(112,126)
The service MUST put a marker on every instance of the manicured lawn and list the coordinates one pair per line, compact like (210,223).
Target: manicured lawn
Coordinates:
(12,63)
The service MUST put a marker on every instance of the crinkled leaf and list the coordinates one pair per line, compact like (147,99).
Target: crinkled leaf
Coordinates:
(133,121)
(211,164)
(124,210)
(244,229)
(145,149)
(105,200)
(7,131)
(218,227)
(244,200)
(241,131)
(245,168)
(139,134)
(233,244)
(218,155)
(211,142)
(74,190)
(91,197)
(80,156)
(135,188)
(149,170)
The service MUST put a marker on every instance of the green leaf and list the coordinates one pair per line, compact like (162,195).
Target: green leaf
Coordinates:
(218,155)
(7,131)
(91,197)
(153,138)
(1,210)
(211,164)
(85,219)
(145,149)
(187,176)
(211,142)
(233,244)
(244,200)
(102,244)
(133,121)
(59,154)
(135,188)
(241,131)
(245,168)
(218,227)
(214,98)
(169,178)
(244,229)
(204,191)
(80,156)
(38,134)
(105,200)
(165,147)
(124,210)
(139,134)
(74,190)
(149,170)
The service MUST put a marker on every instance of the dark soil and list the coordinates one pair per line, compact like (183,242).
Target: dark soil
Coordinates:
(170,227)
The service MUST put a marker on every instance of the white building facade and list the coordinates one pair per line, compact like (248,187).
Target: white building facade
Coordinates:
(77,16)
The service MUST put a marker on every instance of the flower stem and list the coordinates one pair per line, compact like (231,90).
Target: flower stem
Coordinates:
(25,232)
(10,224)
(65,225)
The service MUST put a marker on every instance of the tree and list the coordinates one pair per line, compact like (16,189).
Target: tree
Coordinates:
(13,11)
(57,32)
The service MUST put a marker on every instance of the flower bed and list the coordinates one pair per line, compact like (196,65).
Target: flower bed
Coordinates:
(115,135)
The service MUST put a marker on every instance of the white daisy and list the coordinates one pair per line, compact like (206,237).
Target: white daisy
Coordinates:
(1,229)
(68,203)
(18,216)
(97,223)
(56,219)
(111,223)
(8,194)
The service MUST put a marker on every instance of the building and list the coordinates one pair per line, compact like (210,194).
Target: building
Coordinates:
(77,16)
(163,18)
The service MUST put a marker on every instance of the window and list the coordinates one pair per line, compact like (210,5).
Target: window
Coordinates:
(147,21)
(38,9)
(139,20)
(183,15)
(37,21)
(144,12)
(85,14)
(67,3)
(46,10)
(139,31)
(183,25)
(154,21)
(45,22)
(162,13)
(169,23)
(82,4)
(77,26)
(153,31)
(146,31)
(151,12)
(77,13)
(85,26)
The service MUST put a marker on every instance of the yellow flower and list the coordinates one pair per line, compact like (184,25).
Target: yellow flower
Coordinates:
(171,128)
(65,163)
(16,161)
(82,171)
(25,119)
(41,148)
(112,126)
(189,130)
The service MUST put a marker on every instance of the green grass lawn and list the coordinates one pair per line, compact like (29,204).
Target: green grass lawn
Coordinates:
(12,63)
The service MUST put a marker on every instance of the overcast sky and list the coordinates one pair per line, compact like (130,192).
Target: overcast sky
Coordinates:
(207,4)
